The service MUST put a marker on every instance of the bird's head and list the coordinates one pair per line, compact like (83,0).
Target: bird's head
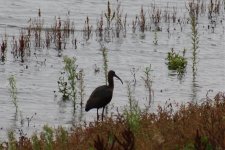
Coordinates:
(113,74)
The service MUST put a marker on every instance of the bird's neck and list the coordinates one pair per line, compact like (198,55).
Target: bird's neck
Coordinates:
(111,83)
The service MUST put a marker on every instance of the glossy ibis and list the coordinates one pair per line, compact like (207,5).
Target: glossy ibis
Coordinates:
(102,95)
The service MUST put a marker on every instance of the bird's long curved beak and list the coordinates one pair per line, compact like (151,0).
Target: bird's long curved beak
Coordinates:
(118,78)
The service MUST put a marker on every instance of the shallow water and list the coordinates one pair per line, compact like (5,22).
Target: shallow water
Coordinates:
(36,84)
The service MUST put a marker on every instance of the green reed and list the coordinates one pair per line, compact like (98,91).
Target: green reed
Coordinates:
(195,40)
(13,90)
(105,63)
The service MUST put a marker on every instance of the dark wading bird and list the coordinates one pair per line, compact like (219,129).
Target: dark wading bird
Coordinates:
(102,95)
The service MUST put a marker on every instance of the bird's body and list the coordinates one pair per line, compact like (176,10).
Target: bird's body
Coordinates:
(98,102)
(102,95)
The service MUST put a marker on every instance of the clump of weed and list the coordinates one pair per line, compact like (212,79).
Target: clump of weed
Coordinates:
(70,69)
(176,62)
(13,90)
(63,87)
(67,84)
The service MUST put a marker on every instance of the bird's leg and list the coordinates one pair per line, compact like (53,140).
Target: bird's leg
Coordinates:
(97,114)
(103,113)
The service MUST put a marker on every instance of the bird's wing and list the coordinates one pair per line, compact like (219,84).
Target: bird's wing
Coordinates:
(99,97)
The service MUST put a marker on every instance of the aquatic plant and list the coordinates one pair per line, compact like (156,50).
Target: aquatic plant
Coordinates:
(155,41)
(13,90)
(87,29)
(147,78)
(99,29)
(47,39)
(63,87)
(134,24)
(81,87)
(68,80)
(133,72)
(22,47)
(155,15)
(109,15)
(176,62)
(70,69)
(105,63)
(68,26)
(120,23)
(142,20)
(195,38)
(29,119)
(3,51)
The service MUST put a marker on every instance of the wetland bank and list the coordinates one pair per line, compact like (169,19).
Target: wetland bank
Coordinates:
(43,47)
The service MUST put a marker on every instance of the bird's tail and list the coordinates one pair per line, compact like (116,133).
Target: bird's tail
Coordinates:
(87,108)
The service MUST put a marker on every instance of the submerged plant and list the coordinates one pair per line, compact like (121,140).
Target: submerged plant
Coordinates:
(176,62)
(13,90)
